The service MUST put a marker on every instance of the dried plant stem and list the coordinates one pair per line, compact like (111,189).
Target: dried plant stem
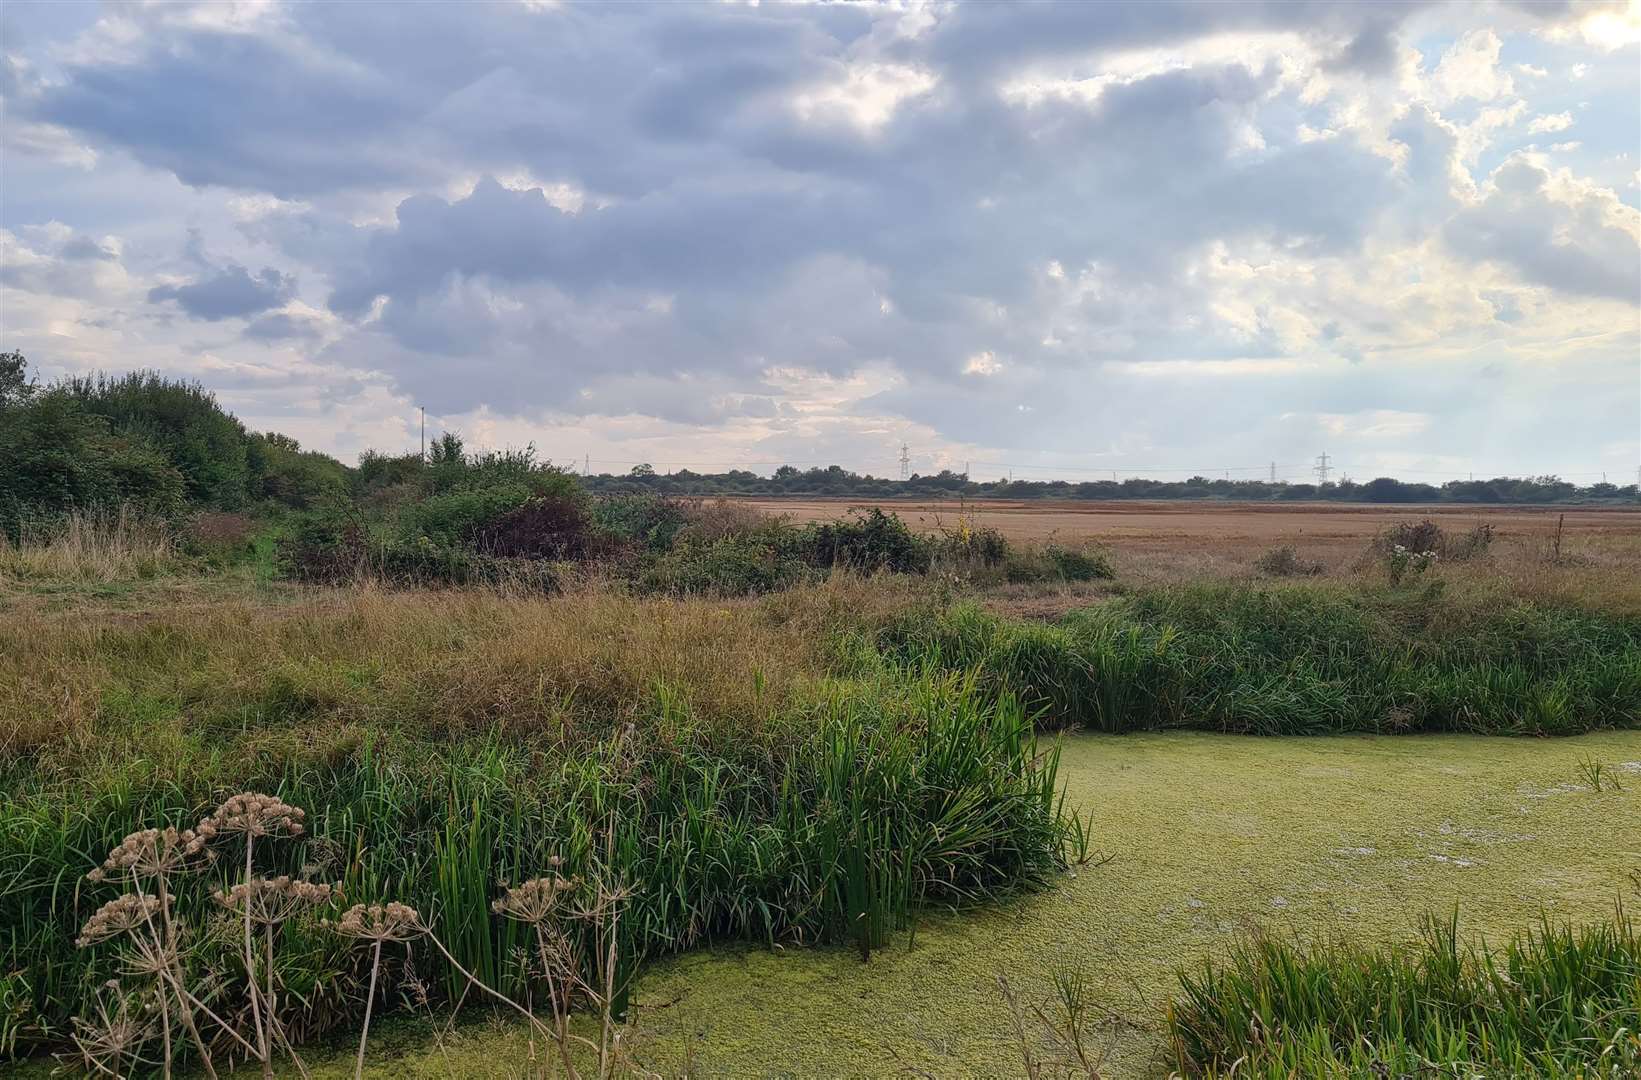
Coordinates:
(173,970)
(250,972)
(370,1003)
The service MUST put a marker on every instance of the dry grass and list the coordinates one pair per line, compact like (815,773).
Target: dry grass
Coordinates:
(325,669)
(90,547)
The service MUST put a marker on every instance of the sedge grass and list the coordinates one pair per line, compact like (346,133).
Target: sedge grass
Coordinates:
(1557,1001)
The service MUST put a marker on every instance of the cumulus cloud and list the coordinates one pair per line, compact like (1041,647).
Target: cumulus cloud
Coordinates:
(993,226)
(1553,229)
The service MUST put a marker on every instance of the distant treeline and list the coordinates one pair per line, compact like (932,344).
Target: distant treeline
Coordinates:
(834,480)
(169,448)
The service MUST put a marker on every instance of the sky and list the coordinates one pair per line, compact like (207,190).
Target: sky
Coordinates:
(1062,240)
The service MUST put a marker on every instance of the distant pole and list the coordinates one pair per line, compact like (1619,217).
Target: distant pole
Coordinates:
(423,408)
(905,462)
(1322,468)
(1273,472)
(587,465)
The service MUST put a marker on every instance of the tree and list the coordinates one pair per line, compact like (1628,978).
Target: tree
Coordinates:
(16,387)
(645,469)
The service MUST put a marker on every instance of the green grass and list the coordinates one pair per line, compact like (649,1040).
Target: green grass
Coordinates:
(1296,660)
(875,801)
(1555,1002)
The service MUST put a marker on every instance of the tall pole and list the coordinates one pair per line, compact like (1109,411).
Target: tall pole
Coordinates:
(423,409)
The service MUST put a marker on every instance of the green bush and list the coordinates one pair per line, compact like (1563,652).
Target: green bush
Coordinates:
(56,457)
(870,540)
(454,519)
(652,522)
(1053,562)
(1558,1002)
(741,565)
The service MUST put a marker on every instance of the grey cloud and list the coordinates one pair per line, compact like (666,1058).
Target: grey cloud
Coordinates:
(281,326)
(725,233)
(1573,244)
(231,292)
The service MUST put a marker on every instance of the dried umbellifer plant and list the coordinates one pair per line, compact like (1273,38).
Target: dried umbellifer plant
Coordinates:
(376,925)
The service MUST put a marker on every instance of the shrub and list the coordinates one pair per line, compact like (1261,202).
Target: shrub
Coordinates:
(456,518)
(1414,537)
(717,518)
(1052,562)
(870,540)
(549,527)
(742,565)
(649,521)
(323,547)
(1286,561)
(1472,545)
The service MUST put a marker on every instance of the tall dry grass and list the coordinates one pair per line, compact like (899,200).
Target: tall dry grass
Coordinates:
(89,546)
(313,676)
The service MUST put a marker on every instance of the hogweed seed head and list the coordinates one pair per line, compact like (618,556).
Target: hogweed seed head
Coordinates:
(151,852)
(392,921)
(272,901)
(537,900)
(254,814)
(119,916)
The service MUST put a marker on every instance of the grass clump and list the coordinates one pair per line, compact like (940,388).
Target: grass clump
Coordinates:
(1556,1002)
(1296,660)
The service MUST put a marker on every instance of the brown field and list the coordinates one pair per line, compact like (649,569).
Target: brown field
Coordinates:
(1192,523)
(1181,541)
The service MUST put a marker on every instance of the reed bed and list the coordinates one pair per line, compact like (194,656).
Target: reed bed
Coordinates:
(861,803)
(1296,660)
(1557,1001)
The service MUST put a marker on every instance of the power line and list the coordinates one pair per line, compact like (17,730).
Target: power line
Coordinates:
(905,462)
(1322,468)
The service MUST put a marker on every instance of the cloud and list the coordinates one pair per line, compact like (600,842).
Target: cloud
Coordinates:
(806,228)
(228,293)
(1554,122)
(1553,229)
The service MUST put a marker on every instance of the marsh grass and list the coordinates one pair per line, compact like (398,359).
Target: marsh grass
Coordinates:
(857,804)
(1296,660)
(1556,1001)
(89,546)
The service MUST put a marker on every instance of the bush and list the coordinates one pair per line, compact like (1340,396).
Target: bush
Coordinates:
(870,540)
(457,518)
(1472,545)
(550,527)
(1285,561)
(1053,562)
(1414,537)
(652,522)
(743,565)
(55,457)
